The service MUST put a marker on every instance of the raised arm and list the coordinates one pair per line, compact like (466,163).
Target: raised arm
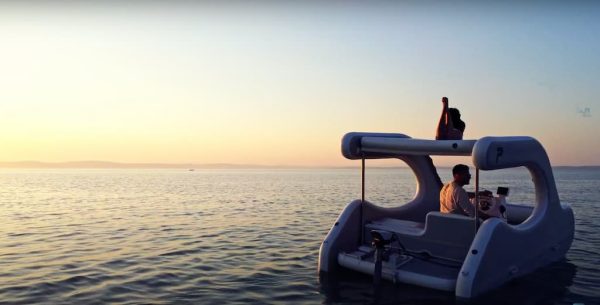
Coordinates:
(442,129)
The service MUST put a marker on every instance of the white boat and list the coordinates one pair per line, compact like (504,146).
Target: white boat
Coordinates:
(416,244)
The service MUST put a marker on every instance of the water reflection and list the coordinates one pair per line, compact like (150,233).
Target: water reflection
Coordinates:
(548,285)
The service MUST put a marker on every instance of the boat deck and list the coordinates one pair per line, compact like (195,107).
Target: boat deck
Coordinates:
(416,269)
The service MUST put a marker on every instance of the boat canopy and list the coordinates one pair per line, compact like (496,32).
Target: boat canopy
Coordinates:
(488,153)
(368,145)
(409,146)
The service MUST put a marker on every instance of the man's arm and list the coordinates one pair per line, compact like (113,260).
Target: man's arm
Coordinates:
(442,130)
(462,201)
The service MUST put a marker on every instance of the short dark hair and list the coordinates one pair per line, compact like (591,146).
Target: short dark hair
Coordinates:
(459,168)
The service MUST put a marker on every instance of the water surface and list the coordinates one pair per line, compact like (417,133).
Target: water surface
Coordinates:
(235,236)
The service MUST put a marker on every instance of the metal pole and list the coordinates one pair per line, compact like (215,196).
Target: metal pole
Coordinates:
(362,200)
(362,196)
(476,199)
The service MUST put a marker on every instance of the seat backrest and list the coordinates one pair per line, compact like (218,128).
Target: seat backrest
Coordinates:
(448,235)
(442,235)
(451,228)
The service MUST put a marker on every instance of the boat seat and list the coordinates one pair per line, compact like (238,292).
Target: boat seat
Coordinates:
(443,235)
(397,226)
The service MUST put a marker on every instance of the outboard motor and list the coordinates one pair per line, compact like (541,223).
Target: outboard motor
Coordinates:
(380,240)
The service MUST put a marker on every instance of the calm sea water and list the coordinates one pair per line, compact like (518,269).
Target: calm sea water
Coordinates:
(237,236)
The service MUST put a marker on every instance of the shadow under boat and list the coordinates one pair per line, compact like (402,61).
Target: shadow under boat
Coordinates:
(547,285)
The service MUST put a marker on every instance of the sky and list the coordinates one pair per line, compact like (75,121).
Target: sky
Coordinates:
(280,82)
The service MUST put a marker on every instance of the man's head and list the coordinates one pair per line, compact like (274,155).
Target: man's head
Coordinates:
(461,174)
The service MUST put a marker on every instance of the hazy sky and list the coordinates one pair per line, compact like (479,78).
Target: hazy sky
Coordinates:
(281,83)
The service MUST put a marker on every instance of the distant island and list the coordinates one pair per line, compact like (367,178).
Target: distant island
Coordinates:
(105,164)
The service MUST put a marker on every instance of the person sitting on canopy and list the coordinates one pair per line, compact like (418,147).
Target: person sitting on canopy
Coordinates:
(450,127)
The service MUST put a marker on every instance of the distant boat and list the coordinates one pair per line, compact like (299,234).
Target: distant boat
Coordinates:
(191,169)
(415,243)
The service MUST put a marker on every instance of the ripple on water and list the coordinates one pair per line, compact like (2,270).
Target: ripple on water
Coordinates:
(119,263)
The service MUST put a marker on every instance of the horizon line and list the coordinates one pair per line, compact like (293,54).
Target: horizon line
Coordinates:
(160,165)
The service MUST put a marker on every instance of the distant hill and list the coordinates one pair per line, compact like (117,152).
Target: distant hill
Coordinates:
(104,164)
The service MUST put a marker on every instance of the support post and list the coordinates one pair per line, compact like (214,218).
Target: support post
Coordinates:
(362,201)
(476,199)
(362,194)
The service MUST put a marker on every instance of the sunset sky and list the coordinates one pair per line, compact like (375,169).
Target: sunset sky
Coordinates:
(279,83)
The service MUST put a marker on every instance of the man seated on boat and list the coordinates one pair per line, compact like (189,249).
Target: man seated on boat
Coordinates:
(453,197)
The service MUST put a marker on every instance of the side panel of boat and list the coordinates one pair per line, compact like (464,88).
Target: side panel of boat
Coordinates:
(344,235)
(501,252)
(517,213)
